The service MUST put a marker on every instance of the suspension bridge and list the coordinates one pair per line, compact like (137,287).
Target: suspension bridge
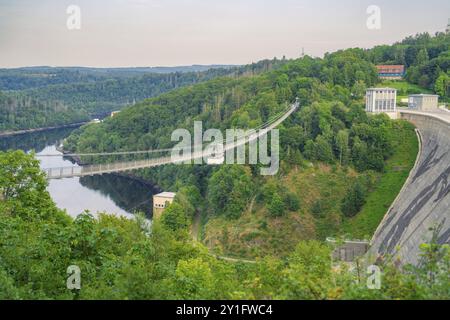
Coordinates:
(121,166)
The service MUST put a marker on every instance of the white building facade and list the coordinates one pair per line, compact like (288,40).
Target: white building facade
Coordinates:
(381,100)
(160,202)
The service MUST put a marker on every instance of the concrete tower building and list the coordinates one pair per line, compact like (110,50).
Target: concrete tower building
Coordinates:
(381,100)
(423,102)
(160,202)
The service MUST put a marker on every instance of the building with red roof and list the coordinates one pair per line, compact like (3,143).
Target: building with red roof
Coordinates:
(392,72)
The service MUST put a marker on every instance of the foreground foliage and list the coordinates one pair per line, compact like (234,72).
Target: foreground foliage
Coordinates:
(123,259)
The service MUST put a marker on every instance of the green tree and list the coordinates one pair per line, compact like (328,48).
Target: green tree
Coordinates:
(292,201)
(442,85)
(354,199)
(193,280)
(229,190)
(422,57)
(23,187)
(324,151)
(276,206)
(174,217)
(308,275)
(342,139)
(359,89)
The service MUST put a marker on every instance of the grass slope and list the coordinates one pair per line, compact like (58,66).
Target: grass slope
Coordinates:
(364,224)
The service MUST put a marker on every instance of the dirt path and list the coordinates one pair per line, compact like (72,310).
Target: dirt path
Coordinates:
(196,225)
(234,259)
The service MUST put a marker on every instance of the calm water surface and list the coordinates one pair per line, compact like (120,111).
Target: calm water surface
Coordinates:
(106,193)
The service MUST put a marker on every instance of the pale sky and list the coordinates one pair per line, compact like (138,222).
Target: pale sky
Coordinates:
(120,33)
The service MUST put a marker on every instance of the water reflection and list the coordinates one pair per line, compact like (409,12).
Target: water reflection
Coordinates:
(128,194)
(106,193)
(34,141)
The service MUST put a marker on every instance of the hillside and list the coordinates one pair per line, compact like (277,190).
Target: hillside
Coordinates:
(116,88)
(18,112)
(426,57)
(69,96)
(38,77)
(346,149)
(86,93)
(121,259)
(340,170)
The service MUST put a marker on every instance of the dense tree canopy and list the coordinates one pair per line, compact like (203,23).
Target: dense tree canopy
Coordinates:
(331,127)
(330,142)
(121,258)
(19,112)
(45,96)
(426,57)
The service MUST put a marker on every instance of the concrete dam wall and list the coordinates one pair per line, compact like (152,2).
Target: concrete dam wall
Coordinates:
(424,202)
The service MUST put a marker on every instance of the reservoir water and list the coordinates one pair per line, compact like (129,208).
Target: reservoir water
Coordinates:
(105,193)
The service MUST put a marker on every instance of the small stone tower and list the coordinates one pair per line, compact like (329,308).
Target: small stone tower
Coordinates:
(160,202)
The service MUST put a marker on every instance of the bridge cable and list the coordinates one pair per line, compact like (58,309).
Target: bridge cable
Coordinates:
(270,121)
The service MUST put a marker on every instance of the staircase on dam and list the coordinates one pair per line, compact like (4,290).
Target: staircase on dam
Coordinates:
(423,205)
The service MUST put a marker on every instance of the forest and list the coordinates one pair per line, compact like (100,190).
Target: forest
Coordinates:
(40,77)
(330,146)
(259,237)
(67,95)
(18,112)
(80,94)
(426,57)
(121,258)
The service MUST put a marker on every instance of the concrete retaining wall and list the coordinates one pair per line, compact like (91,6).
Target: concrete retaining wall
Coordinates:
(424,202)
(348,251)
